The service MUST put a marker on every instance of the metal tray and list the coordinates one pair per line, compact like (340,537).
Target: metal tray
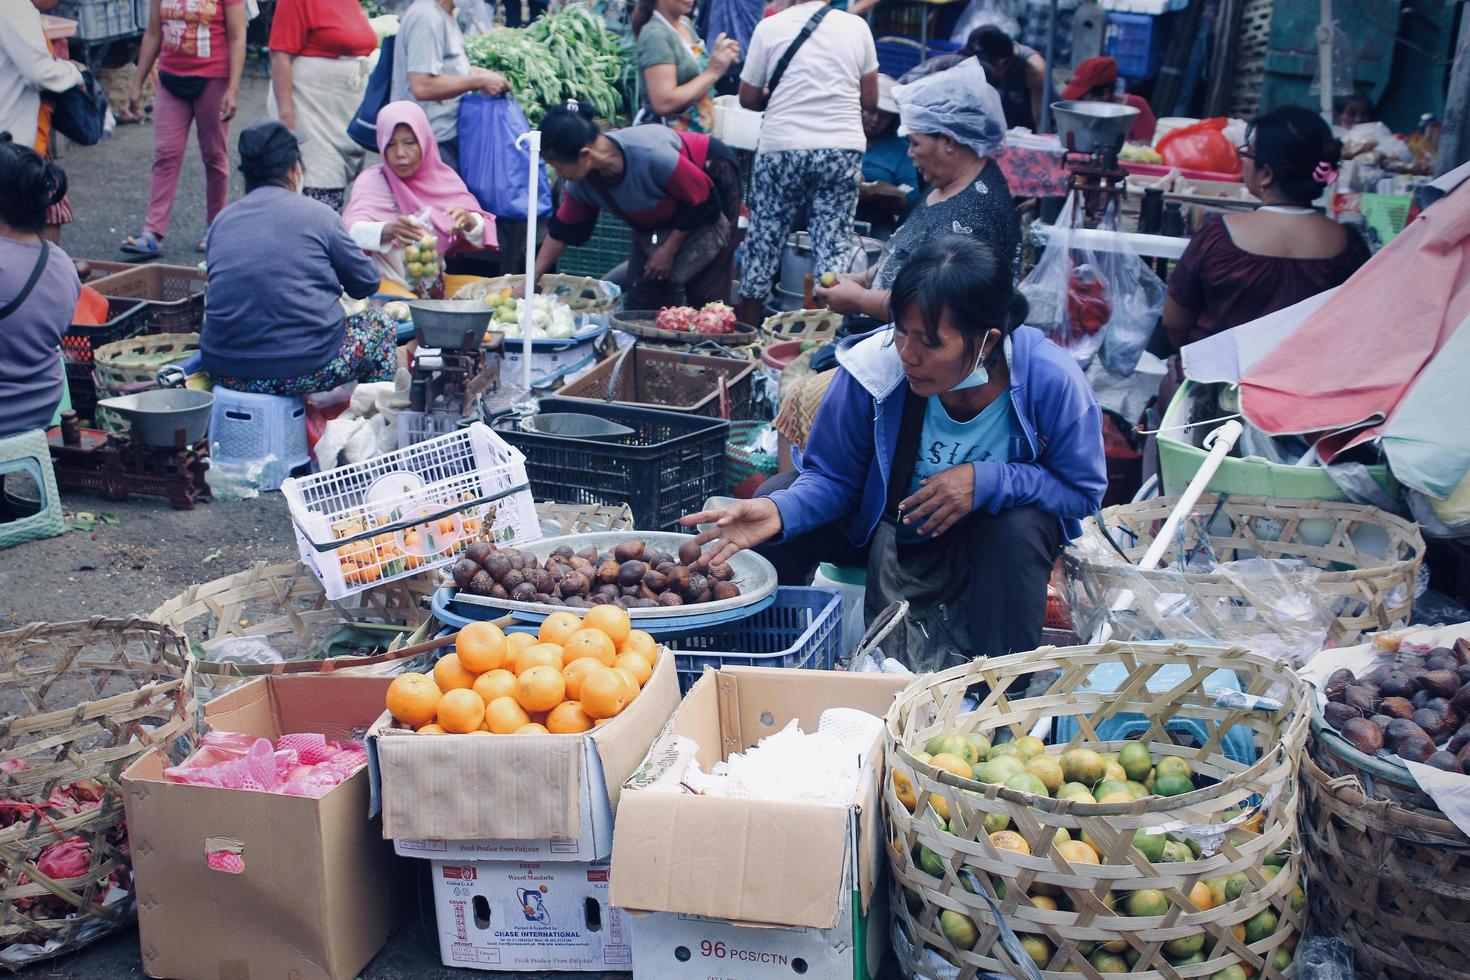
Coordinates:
(753,573)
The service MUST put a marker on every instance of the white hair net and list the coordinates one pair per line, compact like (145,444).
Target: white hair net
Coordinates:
(957,102)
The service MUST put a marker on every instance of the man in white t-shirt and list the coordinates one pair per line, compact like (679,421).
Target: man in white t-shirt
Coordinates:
(811,142)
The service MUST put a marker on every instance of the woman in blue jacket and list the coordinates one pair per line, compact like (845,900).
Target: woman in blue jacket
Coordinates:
(953,454)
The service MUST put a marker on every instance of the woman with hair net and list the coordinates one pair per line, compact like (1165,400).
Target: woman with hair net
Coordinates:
(953,120)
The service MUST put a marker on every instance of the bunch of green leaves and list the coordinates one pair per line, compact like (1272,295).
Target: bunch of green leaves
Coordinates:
(570,54)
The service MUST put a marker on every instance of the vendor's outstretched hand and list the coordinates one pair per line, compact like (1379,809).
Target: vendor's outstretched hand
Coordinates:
(846,296)
(744,524)
(940,501)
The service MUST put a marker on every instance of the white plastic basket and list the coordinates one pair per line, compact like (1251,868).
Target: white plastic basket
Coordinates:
(401,513)
(736,126)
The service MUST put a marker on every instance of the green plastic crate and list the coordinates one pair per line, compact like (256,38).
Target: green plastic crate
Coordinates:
(605,250)
(1179,461)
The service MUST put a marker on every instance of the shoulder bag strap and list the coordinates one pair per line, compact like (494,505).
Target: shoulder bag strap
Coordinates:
(35,276)
(795,46)
(909,431)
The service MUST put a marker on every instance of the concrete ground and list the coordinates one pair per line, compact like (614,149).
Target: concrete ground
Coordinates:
(152,552)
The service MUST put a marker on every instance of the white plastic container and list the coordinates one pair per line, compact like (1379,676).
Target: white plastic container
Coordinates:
(852,585)
(736,127)
(408,511)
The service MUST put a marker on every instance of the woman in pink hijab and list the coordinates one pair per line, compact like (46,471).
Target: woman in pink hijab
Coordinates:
(411,194)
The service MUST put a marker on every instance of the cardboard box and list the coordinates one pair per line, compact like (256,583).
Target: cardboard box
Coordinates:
(495,796)
(316,890)
(515,915)
(730,873)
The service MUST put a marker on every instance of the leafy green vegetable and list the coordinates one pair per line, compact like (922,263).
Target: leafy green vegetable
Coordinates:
(570,54)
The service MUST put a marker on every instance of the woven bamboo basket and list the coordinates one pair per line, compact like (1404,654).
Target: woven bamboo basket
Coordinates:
(136,361)
(813,326)
(1358,590)
(582,293)
(1390,874)
(284,606)
(988,884)
(81,701)
(558,520)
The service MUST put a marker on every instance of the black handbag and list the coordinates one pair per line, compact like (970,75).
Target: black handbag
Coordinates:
(80,113)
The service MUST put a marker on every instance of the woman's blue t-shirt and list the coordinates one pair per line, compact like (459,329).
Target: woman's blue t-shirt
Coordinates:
(945,443)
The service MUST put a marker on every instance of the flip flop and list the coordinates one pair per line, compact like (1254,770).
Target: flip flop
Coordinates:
(143,243)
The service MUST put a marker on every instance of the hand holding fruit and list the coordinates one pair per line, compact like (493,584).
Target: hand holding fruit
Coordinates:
(464,221)
(400,231)
(941,500)
(844,295)
(744,524)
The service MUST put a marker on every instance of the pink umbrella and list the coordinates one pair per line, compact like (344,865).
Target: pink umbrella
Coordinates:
(1347,366)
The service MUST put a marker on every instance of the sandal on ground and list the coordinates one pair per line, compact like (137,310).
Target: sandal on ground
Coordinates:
(143,243)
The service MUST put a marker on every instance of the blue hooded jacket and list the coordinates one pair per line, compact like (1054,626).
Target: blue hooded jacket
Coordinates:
(1056,440)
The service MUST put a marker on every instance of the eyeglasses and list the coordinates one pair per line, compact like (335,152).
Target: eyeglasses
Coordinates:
(1245,151)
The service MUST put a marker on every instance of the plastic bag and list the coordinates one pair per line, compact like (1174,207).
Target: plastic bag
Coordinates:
(1101,296)
(494,168)
(1323,958)
(1200,146)
(422,264)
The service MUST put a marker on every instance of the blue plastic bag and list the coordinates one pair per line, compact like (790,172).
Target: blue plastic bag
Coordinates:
(494,168)
(362,128)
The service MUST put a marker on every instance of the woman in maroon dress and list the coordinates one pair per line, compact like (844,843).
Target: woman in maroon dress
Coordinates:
(1241,267)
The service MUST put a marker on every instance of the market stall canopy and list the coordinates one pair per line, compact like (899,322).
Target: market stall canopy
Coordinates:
(1350,363)
(1226,356)
(1426,440)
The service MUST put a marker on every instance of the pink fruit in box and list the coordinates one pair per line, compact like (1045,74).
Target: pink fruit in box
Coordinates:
(678,318)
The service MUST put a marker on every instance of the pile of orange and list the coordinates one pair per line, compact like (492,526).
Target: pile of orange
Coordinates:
(571,676)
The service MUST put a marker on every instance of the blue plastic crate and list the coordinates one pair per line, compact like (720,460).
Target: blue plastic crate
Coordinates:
(1135,42)
(1238,743)
(802,628)
(897,55)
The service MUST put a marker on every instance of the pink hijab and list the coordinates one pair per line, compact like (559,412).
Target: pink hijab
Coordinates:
(379,195)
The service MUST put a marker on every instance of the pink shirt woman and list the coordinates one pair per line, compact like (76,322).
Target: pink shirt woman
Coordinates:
(411,193)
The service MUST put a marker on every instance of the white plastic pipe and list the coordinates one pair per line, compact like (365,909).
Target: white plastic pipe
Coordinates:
(1219,443)
(532,142)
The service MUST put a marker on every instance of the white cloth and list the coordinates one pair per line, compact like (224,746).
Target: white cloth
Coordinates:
(817,105)
(26,68)
(325,93)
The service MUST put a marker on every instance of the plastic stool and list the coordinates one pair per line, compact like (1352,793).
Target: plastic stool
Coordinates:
(245,428)
(28,453)
(852,585)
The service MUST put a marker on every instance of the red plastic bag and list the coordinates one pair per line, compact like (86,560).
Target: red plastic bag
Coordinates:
(91,308)
(1200,146)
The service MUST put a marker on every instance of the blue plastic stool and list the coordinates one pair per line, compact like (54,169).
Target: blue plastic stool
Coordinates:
(28,453)
(1238,743)
(245,428)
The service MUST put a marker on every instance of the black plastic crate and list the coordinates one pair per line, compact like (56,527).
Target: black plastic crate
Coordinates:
(125,318)
(666,469)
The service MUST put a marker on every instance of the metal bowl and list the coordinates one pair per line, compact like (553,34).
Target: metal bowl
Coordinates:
(753,573)
(451,324)
(158,414)
(1093,127)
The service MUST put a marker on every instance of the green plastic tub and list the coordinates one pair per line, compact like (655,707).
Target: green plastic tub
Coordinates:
(1180,460)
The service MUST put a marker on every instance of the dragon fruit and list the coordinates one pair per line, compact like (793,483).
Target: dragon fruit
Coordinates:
(715,318)
(67,858)
(678,318)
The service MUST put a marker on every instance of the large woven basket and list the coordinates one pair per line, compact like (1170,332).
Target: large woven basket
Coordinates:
(977,873)
(285,606)
(136,361)
(1390,874)
(81,701)
(1358,590)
